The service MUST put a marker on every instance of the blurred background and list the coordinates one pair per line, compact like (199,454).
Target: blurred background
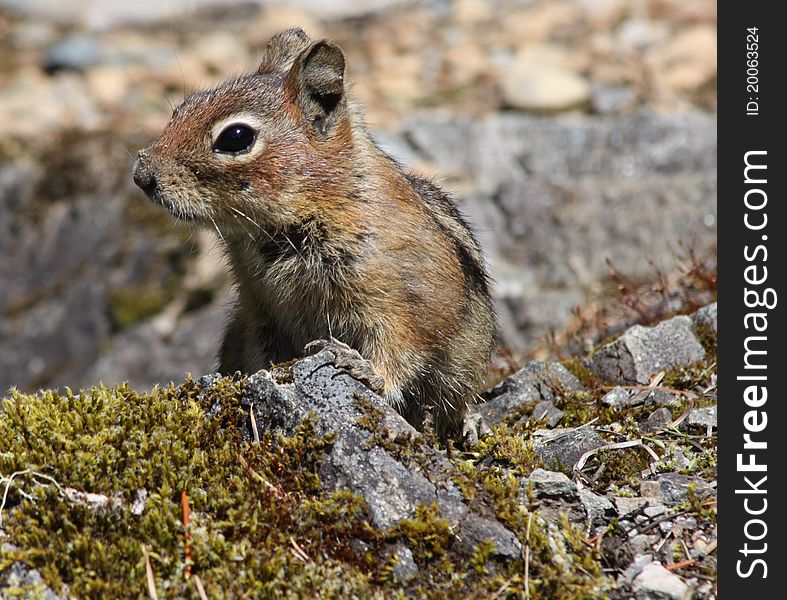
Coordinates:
(579,137)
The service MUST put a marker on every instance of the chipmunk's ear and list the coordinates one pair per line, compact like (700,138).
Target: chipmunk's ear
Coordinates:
(316,83)
(282,49)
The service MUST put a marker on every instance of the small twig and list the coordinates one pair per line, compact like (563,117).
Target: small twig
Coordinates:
(685,547)
(149,573)
(184,501)
(656,521)
(652,453)
(10,480)
(679,565)
(657,379)
(595,541)
(663,541)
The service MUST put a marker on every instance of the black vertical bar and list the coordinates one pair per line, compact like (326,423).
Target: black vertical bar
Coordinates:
(752,263)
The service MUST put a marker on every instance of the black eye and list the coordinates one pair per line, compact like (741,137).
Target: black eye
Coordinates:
(235,139)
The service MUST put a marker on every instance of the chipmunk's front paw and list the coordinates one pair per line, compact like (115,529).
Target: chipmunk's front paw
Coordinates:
(473,429)
(350,361)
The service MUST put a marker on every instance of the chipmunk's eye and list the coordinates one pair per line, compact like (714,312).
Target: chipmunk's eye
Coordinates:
(235,139)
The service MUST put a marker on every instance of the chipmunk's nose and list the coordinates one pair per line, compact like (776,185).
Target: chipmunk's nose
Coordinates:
(143,174)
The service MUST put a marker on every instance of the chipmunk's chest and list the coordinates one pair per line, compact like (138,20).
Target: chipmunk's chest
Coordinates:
(303,295)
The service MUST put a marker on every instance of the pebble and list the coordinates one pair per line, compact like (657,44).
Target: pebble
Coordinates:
(658,419)
(689,60)
(617,397)
(642,33)
(544,89)
(656,582)
(703,417)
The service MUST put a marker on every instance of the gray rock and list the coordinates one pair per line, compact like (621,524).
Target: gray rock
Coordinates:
(707,315)
(75,53)
(675,487)
(142,356)
(654,397)
(66,245)
(650,489)
(644,351)
(597,508)
(658,419)
(547,410)
(24,581)
(404,568)
(391,489)
(565,448)
(641,544)
(618,398)
(550,484)
(533,383)
(655,582)
(639,562)
(555,496)
(654,511)
(626,505)
(703,417)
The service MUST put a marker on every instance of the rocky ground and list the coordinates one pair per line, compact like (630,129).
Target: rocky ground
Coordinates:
(597,481)
(579,136)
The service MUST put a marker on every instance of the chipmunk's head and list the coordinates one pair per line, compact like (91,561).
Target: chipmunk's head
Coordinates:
(258,149)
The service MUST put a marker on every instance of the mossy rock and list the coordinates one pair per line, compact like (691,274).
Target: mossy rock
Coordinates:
(261,523)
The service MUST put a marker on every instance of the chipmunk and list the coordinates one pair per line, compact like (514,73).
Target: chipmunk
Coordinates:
(327,237)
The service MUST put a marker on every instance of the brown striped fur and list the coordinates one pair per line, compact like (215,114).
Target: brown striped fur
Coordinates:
(326,235)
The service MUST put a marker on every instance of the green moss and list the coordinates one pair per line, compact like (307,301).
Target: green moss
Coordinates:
(622,467)
(576,366)
(689,377)
(250,504)
(261,523)
(708,338)
(427,534)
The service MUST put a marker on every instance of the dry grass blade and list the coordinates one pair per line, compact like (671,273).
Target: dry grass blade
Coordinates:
(501,589)
(617,446)
(255,432)
(527,556)
(151,578)
(687,393)
(200,588)
(245,464)
(184,501)
(299,552)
